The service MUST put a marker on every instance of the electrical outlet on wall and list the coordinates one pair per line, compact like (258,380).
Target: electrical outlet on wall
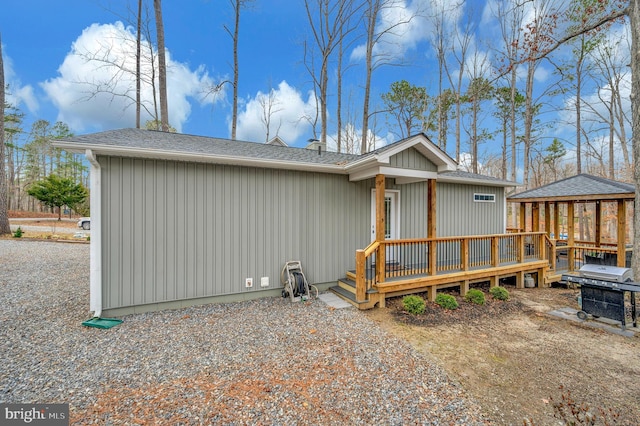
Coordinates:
(248,282)
(264,282)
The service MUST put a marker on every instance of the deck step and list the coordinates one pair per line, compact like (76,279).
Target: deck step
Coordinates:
(347,284)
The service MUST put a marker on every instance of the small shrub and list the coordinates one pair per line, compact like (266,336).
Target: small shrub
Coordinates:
(499,293)
(18,233)
(446,301)
(474,296)
(413,304)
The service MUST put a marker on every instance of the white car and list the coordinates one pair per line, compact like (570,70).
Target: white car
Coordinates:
(84,223)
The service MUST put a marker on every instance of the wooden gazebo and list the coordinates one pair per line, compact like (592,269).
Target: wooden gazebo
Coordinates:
(560,210)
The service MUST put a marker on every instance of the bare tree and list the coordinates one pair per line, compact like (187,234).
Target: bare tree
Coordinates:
(440,41)
(375,37)
(536,38)
(462,40)
(237,6)
(4,190)
(108,56)
(611,59)
(270,106)
(162,66)
(510,18)
(329,21)
(138,62)
(479,90)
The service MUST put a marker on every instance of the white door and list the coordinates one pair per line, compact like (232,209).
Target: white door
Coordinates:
(392,214)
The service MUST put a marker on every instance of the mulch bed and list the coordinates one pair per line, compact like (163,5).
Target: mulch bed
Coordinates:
(465,313)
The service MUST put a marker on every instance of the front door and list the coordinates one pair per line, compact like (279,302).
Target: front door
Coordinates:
(392,215)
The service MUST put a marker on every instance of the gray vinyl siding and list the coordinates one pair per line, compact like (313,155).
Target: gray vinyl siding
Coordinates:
(412,159)
(458,214)
(413,209)
(175,230)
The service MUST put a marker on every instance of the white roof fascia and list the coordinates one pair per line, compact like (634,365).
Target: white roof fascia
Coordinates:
(200,158)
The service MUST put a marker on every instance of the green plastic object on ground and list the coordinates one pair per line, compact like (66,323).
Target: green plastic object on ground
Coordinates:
(102,322)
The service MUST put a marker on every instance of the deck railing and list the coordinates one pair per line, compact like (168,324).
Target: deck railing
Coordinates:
(402,259)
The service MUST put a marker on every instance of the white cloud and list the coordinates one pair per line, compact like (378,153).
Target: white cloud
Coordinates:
(289,117)
(403,26)
(18,94)
(96,85)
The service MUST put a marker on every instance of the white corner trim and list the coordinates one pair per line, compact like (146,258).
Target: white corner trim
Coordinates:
(95,246)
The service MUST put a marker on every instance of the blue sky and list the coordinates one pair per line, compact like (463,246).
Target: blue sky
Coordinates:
(42,40)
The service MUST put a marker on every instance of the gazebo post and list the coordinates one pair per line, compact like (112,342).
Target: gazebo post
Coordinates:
(622,235)
(571,234)
(523,217)
(598,230)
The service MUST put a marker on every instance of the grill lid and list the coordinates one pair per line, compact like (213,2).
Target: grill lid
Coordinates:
(606,272)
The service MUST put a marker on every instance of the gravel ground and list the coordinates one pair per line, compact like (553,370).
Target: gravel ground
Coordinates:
(260,362)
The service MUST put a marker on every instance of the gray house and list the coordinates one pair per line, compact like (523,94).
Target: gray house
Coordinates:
(179,220)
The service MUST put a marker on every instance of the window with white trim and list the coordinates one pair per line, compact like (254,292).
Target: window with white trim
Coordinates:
(484,198)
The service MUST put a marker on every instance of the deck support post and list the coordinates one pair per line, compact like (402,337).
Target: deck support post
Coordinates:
(493,281)
(464,287)
(431,293)
(520,279)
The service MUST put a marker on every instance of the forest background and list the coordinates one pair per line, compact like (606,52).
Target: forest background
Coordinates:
(470,75)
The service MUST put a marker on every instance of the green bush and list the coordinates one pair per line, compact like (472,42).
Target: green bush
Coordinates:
(499,293)
(18,233)
(474,296)
(446,301)
(413,304)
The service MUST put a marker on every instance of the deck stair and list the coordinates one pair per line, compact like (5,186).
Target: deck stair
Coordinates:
(346,289)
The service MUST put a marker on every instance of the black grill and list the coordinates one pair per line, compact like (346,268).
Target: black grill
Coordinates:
(602,290)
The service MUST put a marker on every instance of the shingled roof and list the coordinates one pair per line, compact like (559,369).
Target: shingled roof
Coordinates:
(163,142)
(577,188)
(181,147)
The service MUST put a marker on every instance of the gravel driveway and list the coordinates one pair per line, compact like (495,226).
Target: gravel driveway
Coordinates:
(259,362)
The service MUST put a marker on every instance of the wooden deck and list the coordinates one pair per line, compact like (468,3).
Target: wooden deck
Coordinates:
(426,265)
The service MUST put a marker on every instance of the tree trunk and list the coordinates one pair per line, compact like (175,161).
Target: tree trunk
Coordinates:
(4,190)
(373,12)
(528,123)
(162,67)
(236,65)
(339,95)
(138,60)
(634,16)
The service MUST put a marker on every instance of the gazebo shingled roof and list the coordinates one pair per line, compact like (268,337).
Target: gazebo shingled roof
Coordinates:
(581,187)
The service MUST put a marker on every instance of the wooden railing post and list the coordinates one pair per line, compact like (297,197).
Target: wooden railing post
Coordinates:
(361,285)
(381,262)
(520,248)
(495,251)
(465,254)
(433,257)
